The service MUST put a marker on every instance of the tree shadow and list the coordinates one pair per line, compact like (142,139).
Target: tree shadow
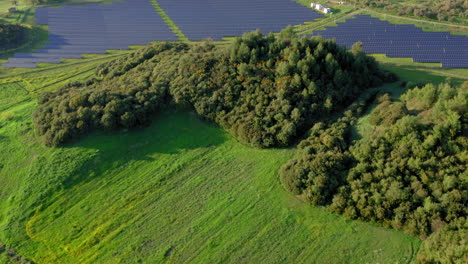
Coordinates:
(39,37)
(169,133)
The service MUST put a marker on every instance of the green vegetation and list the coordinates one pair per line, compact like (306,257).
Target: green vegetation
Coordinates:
(150,181)
(447,245)
(180,190)
(266,90)
(169,21)
(455,11)
(409,174)
(12,35)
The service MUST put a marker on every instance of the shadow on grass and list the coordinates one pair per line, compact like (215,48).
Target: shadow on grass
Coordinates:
(169,133)
(39,38)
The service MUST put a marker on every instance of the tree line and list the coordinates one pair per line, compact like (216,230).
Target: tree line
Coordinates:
(265,90)
(12,35)
(445,10)
(409,174)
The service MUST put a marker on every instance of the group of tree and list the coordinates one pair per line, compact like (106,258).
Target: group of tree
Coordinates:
(445,10)
(40,2)
(12,35)
(410,173)
(266,90)
(12,256)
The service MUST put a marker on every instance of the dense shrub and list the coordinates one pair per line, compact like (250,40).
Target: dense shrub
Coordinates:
(120,101)
(410,174)
(266,90)
(386,113)
(447,245)
(12,35)
(323,160)
(445,10)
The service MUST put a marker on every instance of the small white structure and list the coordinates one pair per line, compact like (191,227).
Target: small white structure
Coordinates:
(321,8)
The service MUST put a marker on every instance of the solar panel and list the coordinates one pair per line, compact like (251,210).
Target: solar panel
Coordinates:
(19,65)
(400,41)
(95,28)
(36,60)
(219,18)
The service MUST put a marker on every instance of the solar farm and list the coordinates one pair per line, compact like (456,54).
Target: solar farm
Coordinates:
(392,40)
(199,20)
(96,28)
(93,29)
(216,131)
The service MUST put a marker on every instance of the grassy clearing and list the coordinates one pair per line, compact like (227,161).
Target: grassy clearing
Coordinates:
(408,73)
(179,191)
(405,64)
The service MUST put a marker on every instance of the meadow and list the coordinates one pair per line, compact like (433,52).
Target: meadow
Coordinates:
(180,190)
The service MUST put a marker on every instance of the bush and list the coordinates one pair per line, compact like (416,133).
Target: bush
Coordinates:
(12,35)
(265,90)
(409,175)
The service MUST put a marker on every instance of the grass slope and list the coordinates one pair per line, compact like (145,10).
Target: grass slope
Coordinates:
(178,191)
(183,190)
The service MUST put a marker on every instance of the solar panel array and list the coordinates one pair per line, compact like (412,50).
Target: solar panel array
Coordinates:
(216,19)
(93,29)
(392,40)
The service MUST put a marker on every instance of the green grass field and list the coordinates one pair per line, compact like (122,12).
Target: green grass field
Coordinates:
(181,190)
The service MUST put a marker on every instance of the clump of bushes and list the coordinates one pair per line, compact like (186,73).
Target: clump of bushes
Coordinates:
(445,10)
(12,35)
(266,90)
(410,174)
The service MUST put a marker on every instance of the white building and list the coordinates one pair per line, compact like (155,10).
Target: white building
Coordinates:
(321,8)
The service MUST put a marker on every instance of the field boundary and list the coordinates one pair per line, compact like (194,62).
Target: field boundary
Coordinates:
(330,21)
(63,65)
(172,26)
(417,20)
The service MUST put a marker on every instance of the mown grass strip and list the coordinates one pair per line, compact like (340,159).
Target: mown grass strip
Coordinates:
(329,21)
(169,21)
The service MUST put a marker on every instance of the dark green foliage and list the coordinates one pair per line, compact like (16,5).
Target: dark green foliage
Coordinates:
(42,2)
(266,90)
(12,35)
(448,10)
(447,245)
(322,165)
(121,101)
(12,256)
(322,161)
(411,174)
(386,113)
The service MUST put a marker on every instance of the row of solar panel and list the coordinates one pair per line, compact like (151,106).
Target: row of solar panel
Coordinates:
(441,47)
(217,18)
(94,29)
